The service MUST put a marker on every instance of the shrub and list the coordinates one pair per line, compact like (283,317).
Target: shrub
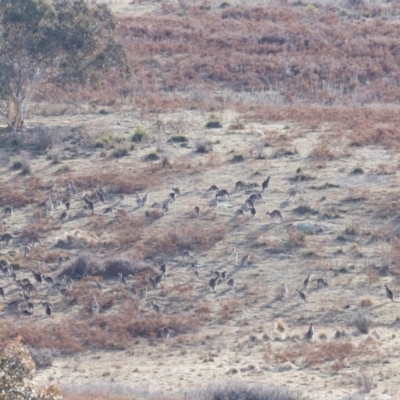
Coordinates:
(322,153)
(121,264)
(357,171)
(120,152)
(367,302)
(63,168)
(237,158)
(82,266)
(213,124)
(202,146)
(237,125)
(179,139)
(139,134)
(296,238)
(22,163)
(43,357)
(16,164)
(362,321)
(152,157)
(16,371)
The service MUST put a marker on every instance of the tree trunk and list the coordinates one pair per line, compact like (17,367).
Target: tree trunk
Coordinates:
(15,114)
(14,108)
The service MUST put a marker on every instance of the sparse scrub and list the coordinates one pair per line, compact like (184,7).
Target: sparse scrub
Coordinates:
(322,153)
(316,354)
(197,235)
(296,238)
(365,303)
(237,125)
(43,357)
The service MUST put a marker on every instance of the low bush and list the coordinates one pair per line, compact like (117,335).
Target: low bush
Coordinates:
(43,357)
(237,158)
(213,124)
(179,139)
(120,152)
(139,134)
(202,146)
(152,157)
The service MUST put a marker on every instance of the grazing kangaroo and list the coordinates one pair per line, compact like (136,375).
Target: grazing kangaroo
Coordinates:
(155,306)
(301,295)
(213,188)
(7,238)
(239,213)
(321,283)
(245,260)
(276,214)
(89,204)
(72,190)
(389,293)
(100,195)
(231,283)
(265,184)
(310,333)
(8,211)
(222,194)
(239,186)
(234,254)
(95,306)
(212,283)
(307,281)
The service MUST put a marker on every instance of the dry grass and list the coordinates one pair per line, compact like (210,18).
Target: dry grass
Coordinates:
(194,236)
(308,127)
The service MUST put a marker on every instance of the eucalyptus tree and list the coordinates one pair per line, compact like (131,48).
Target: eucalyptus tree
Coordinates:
(53,44)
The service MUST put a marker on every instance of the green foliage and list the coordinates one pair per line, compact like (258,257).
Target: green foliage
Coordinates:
(16,375)
(64,42)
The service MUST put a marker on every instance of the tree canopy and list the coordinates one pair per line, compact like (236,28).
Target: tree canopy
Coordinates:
(53,43)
